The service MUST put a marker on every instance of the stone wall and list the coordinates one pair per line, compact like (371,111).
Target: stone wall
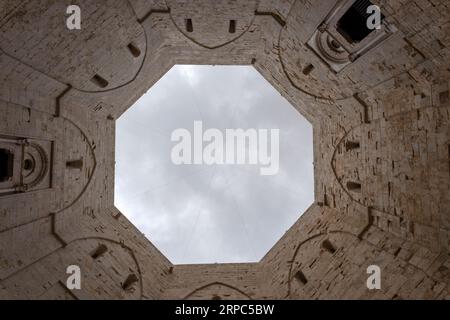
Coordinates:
(381,147)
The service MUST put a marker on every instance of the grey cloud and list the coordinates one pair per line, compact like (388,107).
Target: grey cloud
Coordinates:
(219,213)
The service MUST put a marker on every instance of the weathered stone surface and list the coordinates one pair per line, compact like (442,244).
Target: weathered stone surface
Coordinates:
(381,148)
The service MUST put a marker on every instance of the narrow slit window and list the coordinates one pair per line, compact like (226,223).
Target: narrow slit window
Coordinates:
(327,245)
(75,164)
(354,186)
(99,81)
(352,145)
(100,251)
(449,158)
(129,282)
(444,97)
(301,277)
(353,24)
(308,69)
(232,26)
(189,26)
(6,165)
(135,51)
(325,199)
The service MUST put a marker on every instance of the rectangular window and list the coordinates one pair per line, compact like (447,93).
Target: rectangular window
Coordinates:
(353,24)
(232,27)
(443,97)
(354,186)
(99,81)
(6,165)
(351,145)
(135,51)
(189,26)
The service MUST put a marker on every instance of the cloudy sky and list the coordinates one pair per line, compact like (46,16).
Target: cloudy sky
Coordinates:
(217,213)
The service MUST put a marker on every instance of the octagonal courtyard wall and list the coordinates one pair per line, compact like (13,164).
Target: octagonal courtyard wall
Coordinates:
(393,132)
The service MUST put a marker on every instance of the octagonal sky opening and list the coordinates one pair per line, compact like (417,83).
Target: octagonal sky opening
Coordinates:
(212,213)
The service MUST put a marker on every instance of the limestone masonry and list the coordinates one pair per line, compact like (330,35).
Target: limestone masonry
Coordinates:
(380,107)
